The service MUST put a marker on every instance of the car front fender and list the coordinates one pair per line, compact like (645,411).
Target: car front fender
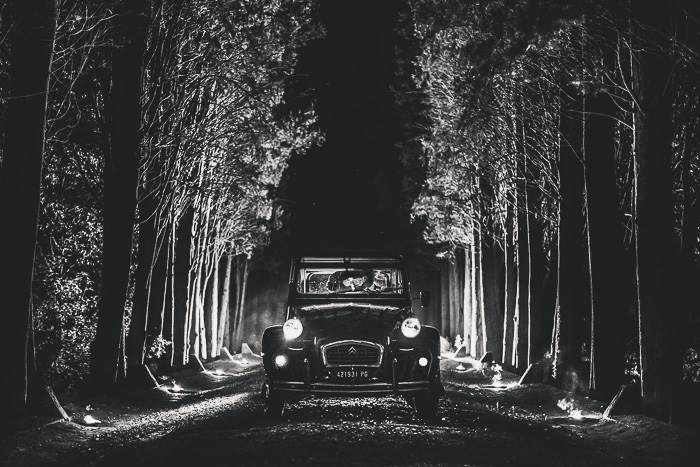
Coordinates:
(272,340)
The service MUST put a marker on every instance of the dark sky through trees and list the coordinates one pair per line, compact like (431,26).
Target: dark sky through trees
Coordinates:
(348,193)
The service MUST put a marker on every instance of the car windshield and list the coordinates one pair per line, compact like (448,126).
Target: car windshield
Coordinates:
(369,281)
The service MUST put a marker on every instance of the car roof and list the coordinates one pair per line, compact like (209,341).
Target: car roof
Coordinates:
(349,259)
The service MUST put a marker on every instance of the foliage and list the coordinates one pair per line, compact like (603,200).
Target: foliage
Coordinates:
(67,290)
(67,269)
(215,140)
(218,138)
(499,77)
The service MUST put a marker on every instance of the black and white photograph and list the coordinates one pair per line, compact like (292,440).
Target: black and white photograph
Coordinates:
(349,233)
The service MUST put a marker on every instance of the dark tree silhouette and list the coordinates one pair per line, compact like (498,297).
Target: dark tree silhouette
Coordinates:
(659,345)
(120,181)
(33,26)
(570,309)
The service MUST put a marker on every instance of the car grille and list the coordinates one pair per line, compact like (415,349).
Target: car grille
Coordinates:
(352,353)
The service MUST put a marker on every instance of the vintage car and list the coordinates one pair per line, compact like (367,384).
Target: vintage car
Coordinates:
(351,329)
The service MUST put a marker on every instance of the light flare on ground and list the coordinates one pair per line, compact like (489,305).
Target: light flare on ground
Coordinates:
(574,413)
(90,420)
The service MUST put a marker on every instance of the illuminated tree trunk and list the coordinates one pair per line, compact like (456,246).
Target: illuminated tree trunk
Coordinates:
(232,329)
(183,245)
(150,286)
(468,311)
(516,308)
(509,286)
(31,47)
(524,302)
(493,296)
(169,323)
(136,338)
(482,312)
(445,324)
(454,295)
(157,285)
(474,338)
(241,304)
(214,310)
(225,301)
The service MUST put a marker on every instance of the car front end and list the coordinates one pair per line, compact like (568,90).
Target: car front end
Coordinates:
(358,343)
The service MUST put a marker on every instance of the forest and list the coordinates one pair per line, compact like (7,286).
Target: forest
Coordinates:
(578,222)
(552,150)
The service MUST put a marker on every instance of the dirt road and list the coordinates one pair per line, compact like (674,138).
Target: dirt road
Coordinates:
(479,425)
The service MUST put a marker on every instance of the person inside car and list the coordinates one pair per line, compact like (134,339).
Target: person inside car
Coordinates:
(348,281)
(380,282)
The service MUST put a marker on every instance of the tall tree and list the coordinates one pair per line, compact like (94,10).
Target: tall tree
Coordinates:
(605,232)
(659,352)
(31,46)
(120,185)
(571,288)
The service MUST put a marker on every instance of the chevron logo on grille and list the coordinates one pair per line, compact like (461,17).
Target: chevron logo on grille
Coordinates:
(352,351)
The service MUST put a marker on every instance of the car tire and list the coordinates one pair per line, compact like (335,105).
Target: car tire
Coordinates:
(274,402)
(426,405)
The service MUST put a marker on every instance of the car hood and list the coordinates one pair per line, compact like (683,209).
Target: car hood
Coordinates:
(350,320)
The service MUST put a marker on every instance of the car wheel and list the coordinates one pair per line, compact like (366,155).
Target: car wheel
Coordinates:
(274,403)
(426,405)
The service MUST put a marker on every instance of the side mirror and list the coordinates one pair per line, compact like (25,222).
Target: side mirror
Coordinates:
(424,298)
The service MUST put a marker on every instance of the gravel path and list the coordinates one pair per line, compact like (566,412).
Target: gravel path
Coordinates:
(479,425)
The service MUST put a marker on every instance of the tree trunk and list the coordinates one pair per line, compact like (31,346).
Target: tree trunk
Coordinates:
(201,291)
(467,300)
(660,352)
(169,306)
(445,329)
(225,300)
(214,311)
(182,266)
(483,338)
(474,326)
(493,296)
(510,284)
(454,295)
(236,307)
(539,322)
(157,287)
(571,289)
(120,181)
(517,287)
(31,48)
(136,338)
(241,305)
(606,244)
(524,277)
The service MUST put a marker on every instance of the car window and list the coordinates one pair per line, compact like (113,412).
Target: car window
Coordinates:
(368,281)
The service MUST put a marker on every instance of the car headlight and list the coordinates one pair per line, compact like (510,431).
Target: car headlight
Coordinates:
(292,329)
(281,360)
(410,327)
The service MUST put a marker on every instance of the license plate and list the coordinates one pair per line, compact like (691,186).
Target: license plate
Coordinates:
(352,374)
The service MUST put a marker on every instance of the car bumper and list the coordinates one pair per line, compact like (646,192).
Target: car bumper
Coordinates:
(367,389)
